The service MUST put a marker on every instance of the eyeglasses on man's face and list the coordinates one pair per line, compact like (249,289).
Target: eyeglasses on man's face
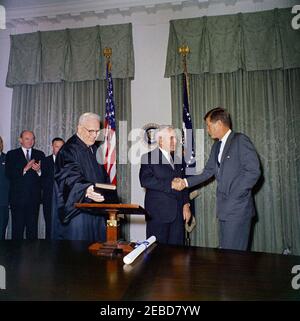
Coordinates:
(92,131)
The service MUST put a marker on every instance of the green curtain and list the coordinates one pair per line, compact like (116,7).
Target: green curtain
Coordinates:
(265,105)
(70,55)
(249,41)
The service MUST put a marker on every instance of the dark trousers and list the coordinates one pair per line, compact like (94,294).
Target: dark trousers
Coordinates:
(3,221)
(167,233)
(48,222)
(234,234)
(25,216)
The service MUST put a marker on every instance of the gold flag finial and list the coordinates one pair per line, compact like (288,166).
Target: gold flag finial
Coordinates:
(107,52)
(184,50)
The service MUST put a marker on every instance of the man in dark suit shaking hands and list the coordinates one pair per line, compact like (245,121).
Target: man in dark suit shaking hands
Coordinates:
(168,209)
(23,169)
(234,163)
(48,182)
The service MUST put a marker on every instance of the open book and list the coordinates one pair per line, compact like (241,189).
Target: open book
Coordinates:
(109,191)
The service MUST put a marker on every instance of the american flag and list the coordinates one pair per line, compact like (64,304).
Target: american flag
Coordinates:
(188,157)
(109,146)
(189,160)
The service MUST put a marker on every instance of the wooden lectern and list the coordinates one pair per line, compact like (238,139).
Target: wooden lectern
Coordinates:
(112,246)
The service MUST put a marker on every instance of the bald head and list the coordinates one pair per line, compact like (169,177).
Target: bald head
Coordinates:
(27,139)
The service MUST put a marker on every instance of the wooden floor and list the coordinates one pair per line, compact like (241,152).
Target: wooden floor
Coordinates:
(65,270)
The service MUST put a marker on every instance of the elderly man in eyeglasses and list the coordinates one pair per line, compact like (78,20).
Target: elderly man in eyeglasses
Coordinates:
(76,172)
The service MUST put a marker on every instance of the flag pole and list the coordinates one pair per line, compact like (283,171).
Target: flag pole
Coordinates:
(184,50)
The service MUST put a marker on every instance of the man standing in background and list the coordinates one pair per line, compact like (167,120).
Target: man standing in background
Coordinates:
(23,169)
(47,167)
(4,186)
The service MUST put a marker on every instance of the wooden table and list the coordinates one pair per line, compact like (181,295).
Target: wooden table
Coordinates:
(65,270)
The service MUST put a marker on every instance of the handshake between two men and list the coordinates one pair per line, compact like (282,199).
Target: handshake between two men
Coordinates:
(178,184)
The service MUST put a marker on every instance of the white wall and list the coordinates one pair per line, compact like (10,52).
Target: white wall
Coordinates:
(5,93)
(151,101)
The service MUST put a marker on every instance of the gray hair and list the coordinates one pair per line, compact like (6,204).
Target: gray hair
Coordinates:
(162,129)
(86,116)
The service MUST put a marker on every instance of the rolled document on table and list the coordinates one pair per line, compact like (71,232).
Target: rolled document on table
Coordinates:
(129,258)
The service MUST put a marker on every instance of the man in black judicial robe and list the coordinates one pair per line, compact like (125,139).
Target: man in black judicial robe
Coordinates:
(76,170)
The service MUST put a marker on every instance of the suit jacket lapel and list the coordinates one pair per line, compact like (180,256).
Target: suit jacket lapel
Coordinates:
(21,155)
(177,164)
(163,160)
(33,154)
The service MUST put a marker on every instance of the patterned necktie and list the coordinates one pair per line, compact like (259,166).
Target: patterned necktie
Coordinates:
(27,155)
(172,159)
(218,151)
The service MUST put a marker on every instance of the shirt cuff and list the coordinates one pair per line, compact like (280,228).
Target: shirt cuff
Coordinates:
(186,182)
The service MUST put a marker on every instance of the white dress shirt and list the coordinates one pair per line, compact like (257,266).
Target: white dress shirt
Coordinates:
(167,156)
(25,151)
(223,142)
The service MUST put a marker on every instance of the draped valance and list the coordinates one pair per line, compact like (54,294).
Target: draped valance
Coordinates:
(70,55)
(220,44)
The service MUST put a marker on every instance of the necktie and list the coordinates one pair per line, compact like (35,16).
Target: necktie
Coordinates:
(218,151)
(27,155)
(172,159)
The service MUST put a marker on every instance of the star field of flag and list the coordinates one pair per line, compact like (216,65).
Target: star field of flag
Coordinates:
(109,103)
